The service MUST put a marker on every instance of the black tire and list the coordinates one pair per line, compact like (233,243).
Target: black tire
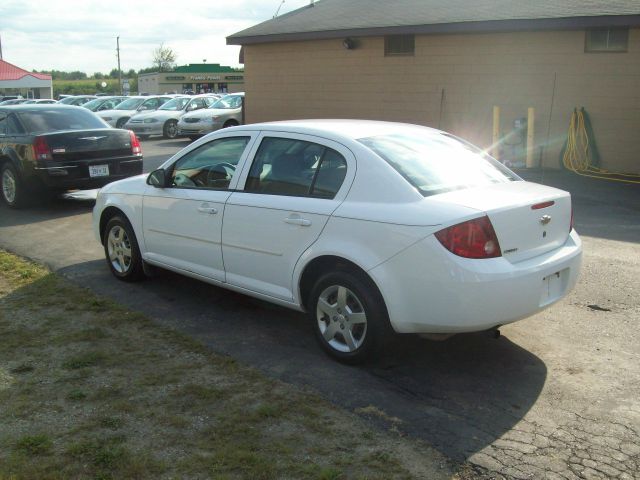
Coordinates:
(12,189)
(361,297)
(143,137)
(230,123)
(170,129)
(119,238)
(120,123)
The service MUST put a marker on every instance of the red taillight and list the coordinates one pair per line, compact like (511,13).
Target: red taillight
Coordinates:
(136,149)
(41,149)
(472,239)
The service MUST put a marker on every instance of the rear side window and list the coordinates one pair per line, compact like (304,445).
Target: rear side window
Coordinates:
(440,163)
(290,167)
(41,121)
(13,126)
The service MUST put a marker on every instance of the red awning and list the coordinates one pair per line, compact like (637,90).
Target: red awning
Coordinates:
(11,72)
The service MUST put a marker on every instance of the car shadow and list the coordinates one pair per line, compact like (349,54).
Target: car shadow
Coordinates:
(459,395)
(60,206)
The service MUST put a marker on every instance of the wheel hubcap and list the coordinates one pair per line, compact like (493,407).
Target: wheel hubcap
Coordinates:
(341,319)
(8,186)
(119,249)
(172,129)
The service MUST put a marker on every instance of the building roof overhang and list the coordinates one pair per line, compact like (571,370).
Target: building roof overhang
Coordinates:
(359,18)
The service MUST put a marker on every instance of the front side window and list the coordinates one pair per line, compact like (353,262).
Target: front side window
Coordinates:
(607,40)
(211,166)
(436,164)
(284,166)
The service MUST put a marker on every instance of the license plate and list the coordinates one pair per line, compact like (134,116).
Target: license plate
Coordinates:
(98,170)
(554,286)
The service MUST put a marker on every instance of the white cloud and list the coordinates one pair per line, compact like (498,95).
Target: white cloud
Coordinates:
(81,35)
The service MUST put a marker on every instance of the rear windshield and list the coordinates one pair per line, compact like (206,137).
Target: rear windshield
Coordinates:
(42,121)
(438,163)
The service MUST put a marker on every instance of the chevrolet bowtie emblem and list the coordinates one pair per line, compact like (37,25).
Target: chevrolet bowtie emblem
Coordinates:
(545,219)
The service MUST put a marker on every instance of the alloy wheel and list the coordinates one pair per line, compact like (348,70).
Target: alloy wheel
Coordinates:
(341,318)
(119,249)
(9,186)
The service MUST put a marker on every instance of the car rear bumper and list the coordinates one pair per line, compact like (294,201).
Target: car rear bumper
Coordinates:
(427,289)
(71,175)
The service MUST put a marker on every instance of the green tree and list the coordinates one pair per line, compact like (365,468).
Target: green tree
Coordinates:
(164,59)
(98,76)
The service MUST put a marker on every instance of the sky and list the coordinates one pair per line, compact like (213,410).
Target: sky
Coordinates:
(74,35)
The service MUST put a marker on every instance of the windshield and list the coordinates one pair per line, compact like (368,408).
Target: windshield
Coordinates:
(438,163)
(42,121)
(176,104)
(130,104)
(94,103)
(230,101)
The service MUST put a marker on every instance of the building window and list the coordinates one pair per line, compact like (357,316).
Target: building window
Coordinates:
(399,45)
(607,40)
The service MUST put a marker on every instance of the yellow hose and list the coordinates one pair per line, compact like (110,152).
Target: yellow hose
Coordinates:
(577,156)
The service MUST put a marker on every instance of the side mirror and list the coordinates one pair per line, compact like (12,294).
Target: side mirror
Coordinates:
(157,178)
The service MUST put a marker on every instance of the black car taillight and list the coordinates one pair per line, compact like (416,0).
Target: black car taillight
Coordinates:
(41,149)
(136,149)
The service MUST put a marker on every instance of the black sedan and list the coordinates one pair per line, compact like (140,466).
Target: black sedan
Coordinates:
(54,148)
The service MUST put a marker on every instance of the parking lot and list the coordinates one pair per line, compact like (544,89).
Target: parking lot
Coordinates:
(556,396)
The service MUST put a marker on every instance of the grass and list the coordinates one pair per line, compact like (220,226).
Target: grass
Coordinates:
(91,390)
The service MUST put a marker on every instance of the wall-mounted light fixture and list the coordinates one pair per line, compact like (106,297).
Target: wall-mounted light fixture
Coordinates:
(349,43)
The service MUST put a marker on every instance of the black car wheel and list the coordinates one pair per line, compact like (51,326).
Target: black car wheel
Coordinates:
(121,250)
(349,316)
(170,129)
(11,186)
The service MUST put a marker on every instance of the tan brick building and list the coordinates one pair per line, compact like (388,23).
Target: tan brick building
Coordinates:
(446,64)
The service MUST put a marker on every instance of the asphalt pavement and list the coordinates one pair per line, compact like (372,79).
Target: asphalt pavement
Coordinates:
(556,396)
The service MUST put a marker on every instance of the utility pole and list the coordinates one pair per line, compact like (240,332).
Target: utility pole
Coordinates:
(119,71)
(0,48)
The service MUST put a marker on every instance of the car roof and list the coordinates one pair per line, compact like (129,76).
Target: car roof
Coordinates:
(35,107)
(351,129)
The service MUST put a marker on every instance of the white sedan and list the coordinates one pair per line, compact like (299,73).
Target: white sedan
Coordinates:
(369,227)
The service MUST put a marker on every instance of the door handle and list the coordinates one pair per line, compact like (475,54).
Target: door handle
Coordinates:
(209,210)
(303,222)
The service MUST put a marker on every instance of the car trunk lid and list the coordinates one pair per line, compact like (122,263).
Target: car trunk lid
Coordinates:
(529,219)
(82,145)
